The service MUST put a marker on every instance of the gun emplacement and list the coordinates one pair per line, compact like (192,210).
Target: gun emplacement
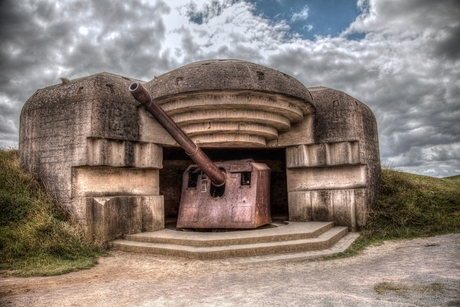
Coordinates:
(195,153)
(238,195)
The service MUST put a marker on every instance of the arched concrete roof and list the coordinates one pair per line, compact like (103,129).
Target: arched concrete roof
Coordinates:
(222,75)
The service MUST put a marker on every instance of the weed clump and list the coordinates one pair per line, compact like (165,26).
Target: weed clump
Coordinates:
(37,237)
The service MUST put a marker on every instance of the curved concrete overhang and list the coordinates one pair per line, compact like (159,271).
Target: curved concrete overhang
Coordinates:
(231,102)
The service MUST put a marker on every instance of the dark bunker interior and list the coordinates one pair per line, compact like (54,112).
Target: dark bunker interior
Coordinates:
(175,162)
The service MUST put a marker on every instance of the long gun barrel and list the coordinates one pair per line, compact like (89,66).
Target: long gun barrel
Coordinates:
(141,94)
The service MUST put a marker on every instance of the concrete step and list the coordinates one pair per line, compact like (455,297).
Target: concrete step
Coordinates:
(323,241)
(281,231)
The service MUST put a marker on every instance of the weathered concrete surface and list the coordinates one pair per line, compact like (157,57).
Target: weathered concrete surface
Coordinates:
(223,75)
(340,117)
(89,138)
(336,177)
(82,140)
(302,240)
(420,272)
(331,140)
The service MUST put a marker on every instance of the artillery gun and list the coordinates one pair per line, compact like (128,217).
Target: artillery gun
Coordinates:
(221,195)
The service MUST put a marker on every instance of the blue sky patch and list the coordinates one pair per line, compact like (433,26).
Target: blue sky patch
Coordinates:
(357,36)
(311,17)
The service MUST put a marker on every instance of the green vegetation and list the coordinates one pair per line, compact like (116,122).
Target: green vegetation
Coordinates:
(404,290)
(37,238)
(456,177)
(411,206)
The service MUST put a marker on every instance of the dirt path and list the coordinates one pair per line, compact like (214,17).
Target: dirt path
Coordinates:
(420,272)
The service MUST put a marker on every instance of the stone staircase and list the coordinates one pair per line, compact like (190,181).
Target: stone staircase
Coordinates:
(278,239)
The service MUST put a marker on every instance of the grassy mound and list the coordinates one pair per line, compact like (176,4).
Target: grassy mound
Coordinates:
(411,206)
(36,236)
(456,177)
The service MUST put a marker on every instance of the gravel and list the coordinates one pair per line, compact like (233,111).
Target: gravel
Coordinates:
(418,272)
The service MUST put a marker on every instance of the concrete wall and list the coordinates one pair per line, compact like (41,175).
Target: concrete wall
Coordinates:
(332,160)
(99,152)
(82,140)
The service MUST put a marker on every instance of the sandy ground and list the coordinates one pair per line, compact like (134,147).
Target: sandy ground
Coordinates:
(419,272)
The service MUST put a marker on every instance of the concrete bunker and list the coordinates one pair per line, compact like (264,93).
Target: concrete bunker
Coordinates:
(115,168)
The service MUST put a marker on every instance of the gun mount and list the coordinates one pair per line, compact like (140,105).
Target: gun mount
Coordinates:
(231,194)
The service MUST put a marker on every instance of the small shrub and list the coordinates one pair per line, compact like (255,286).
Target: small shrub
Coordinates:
(13,208)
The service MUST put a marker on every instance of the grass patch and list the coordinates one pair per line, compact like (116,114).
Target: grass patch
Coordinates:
(410,206)
(456,177)
(37,237)
(404,290)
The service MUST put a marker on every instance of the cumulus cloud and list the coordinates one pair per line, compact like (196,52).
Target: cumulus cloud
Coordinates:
(406,66)
(302,15)
(415,92)
(9,132)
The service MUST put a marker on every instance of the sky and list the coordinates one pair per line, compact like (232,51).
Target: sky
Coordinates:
(401,58)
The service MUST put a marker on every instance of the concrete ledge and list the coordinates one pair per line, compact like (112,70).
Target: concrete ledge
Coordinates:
(105,181)
(339,247)
(268,242)
(344,207)
(111,217)
(290,231)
